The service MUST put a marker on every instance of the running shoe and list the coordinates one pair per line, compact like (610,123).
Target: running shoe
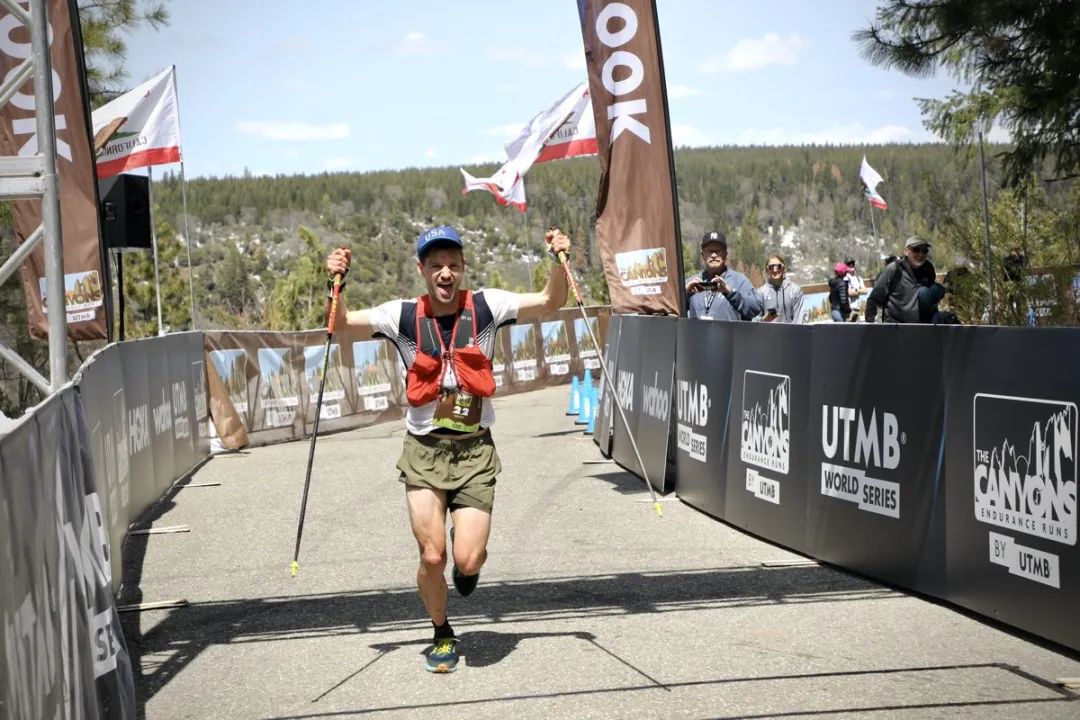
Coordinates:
(465,584)
(443,658)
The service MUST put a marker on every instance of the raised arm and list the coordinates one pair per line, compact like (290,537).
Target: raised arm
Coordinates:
(553,296)
(357,323)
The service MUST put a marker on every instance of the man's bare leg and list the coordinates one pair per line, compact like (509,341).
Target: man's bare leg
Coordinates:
(471,530)
(427,515)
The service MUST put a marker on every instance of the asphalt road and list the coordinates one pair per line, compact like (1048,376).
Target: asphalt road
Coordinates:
(589,606)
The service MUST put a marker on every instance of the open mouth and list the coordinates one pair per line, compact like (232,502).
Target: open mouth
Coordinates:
(444,289)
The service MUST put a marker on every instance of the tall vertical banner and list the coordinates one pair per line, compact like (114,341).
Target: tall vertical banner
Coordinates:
(636,224)
(84,283)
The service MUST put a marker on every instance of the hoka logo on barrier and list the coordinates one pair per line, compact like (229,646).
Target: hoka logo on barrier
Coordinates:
(766,422)
(1025,465)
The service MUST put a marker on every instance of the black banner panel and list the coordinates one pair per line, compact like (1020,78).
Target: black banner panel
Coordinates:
(877,406)
(768,469)
(604,425)
(1012,552)
(702,412)
(133,402)
(643,386)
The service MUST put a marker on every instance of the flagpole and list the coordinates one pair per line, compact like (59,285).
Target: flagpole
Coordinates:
(526,245)
(187,241)
(153,241)
(873,226)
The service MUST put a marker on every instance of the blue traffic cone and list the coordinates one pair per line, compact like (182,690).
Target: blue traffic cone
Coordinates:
(587,380)
(594,401)
(586,407)
(575,397)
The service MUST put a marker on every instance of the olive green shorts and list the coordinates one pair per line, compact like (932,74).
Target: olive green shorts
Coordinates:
(465,469)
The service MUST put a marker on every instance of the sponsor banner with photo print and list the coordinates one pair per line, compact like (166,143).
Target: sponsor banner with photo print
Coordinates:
(876,416)
(1012,550)
(769,436)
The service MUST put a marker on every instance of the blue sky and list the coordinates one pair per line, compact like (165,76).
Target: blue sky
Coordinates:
(285,87)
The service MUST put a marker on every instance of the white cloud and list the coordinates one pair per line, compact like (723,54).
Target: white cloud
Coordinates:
(295,130)
(851,134)
(754,53)
(507,131)
(998,134)
(678,92)
(688,136)
(431,153)
(415,43)
(337,163)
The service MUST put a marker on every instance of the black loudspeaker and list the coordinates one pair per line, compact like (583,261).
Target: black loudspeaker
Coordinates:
(125,211)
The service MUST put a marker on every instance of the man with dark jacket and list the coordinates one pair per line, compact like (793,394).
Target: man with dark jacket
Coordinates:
(907,290)
(718,292)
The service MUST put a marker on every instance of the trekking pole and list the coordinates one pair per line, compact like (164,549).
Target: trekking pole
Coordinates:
(294,568)
(607,378)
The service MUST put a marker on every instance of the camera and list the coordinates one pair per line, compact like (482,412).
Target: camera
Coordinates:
(770,307)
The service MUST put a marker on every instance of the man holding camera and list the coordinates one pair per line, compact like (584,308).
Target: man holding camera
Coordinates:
(718,292)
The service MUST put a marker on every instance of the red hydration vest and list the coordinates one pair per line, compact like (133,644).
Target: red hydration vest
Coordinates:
(471,367)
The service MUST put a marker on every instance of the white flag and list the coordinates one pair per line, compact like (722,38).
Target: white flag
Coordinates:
(869,175)
(507,184)
(150,129)
(576,136)
(872,179)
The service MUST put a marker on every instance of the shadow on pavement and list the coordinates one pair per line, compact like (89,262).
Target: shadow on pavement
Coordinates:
(184,633)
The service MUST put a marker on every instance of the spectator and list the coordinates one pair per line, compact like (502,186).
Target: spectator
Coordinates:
(907,290)
(1015,262)
(781,299)
(856,287)
(718,292)
(839,297)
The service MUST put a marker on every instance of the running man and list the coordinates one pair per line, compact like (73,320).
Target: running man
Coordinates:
(446,339)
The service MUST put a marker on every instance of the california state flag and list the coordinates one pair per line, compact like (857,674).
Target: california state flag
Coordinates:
(149,127)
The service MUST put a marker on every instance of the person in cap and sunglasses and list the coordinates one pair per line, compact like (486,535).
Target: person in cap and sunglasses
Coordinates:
(781,298)
(718,292)
(446,339)
(907,290)
(840,293)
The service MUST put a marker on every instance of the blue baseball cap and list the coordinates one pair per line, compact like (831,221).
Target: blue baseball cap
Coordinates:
(440,235)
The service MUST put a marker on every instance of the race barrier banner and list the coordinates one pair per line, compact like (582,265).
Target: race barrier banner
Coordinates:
(933,458)
(147,417)
(604,425)
(64,653)
(702,413)
(877,407)
(271,379)
(769,469)
(643,390)
(1012,553)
